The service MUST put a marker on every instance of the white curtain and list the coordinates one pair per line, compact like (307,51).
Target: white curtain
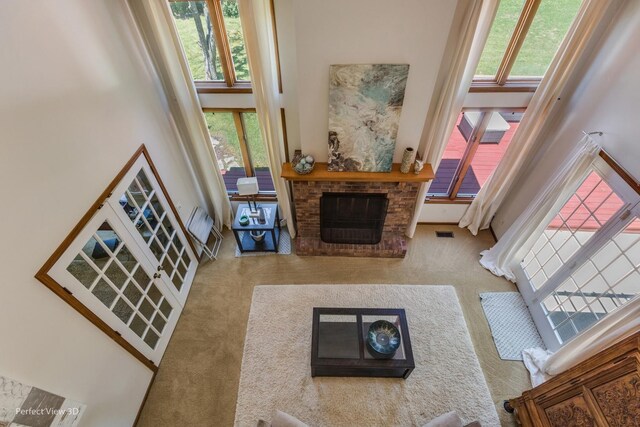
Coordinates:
(531,223)
(590,17)
(260,45)
(472,32)
(163,43)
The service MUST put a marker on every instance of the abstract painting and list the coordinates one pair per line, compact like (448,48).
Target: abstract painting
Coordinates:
(365,102)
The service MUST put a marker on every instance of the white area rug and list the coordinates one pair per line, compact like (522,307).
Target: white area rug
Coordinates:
(511,324)
(276,371)
(284,245)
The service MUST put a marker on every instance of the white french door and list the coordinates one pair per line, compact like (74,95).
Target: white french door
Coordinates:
(586,263)
(140,203)
(115,280)
(131,264)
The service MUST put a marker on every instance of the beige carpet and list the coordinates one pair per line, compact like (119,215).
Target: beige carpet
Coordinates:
(276,372)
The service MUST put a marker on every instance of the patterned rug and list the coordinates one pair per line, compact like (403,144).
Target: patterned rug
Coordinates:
(511,324)
(284,245)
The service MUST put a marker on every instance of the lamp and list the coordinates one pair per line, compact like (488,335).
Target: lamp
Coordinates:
(249,187)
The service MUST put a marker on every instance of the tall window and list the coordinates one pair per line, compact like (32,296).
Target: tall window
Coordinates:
(213,42)
(475,148)
(524,37)
(211,34)
(235,136)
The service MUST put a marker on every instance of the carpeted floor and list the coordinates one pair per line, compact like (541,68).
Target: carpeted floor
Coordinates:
(197,383)
(276,374)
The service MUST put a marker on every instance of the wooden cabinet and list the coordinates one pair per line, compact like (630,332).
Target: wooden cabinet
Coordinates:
(601,391)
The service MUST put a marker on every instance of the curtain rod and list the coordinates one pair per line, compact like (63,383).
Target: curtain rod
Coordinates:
(597,132)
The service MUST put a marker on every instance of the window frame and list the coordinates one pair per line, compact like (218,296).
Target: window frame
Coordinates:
(230,84)
(244,146)
(628,189)
(501,81)
(472,147)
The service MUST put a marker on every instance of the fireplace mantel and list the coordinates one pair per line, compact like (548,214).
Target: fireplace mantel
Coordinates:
(320,173)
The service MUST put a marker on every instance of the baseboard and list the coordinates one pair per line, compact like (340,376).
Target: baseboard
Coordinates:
(437,223)
(144,399)
(493,233)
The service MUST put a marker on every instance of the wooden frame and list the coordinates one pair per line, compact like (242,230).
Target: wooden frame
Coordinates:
(244,146)
(231,84)
(465,162)
(43,274)
(222,41)
(620,171)
(517,39)
(144,399)
(472,146)
(501,81)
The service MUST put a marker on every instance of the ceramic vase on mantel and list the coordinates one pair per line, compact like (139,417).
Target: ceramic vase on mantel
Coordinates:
(407,160)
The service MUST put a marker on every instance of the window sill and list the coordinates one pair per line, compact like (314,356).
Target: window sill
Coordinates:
(447,201)
(521,85)
(221,87)
(260,198)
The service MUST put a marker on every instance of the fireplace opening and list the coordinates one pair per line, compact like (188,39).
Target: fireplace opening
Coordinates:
(355,218)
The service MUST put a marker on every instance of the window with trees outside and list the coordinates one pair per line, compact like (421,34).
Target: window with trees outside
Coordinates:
(523,40)
(235,135)
(475,148)
(213,42)
(212,39)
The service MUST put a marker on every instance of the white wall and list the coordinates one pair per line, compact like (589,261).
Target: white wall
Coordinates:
(605,99)
(75,102)
(364,32)
(444,213)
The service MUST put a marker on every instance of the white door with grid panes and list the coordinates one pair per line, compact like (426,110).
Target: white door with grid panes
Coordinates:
(586,263)
(140,203)
(108,272)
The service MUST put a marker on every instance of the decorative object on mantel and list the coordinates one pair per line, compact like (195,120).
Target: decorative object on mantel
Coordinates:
(22,404)
(417,166)
(322,173)
(365,102)
(407,160)
(302,163)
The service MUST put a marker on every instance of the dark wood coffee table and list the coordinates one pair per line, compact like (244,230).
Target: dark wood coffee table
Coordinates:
(338,347)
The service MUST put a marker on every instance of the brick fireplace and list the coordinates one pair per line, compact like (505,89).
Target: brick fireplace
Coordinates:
(401,191)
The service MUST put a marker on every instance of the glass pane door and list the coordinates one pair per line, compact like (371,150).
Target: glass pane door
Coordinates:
(585,263)
(607,280)
(592,205)
(107,272)
(140,202)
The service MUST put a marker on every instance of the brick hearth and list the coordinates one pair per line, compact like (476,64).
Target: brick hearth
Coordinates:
(401,190)
(402,198)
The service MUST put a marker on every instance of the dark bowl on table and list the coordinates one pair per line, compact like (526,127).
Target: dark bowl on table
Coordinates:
(383,339)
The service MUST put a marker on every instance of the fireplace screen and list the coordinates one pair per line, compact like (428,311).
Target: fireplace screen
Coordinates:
(356,218)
